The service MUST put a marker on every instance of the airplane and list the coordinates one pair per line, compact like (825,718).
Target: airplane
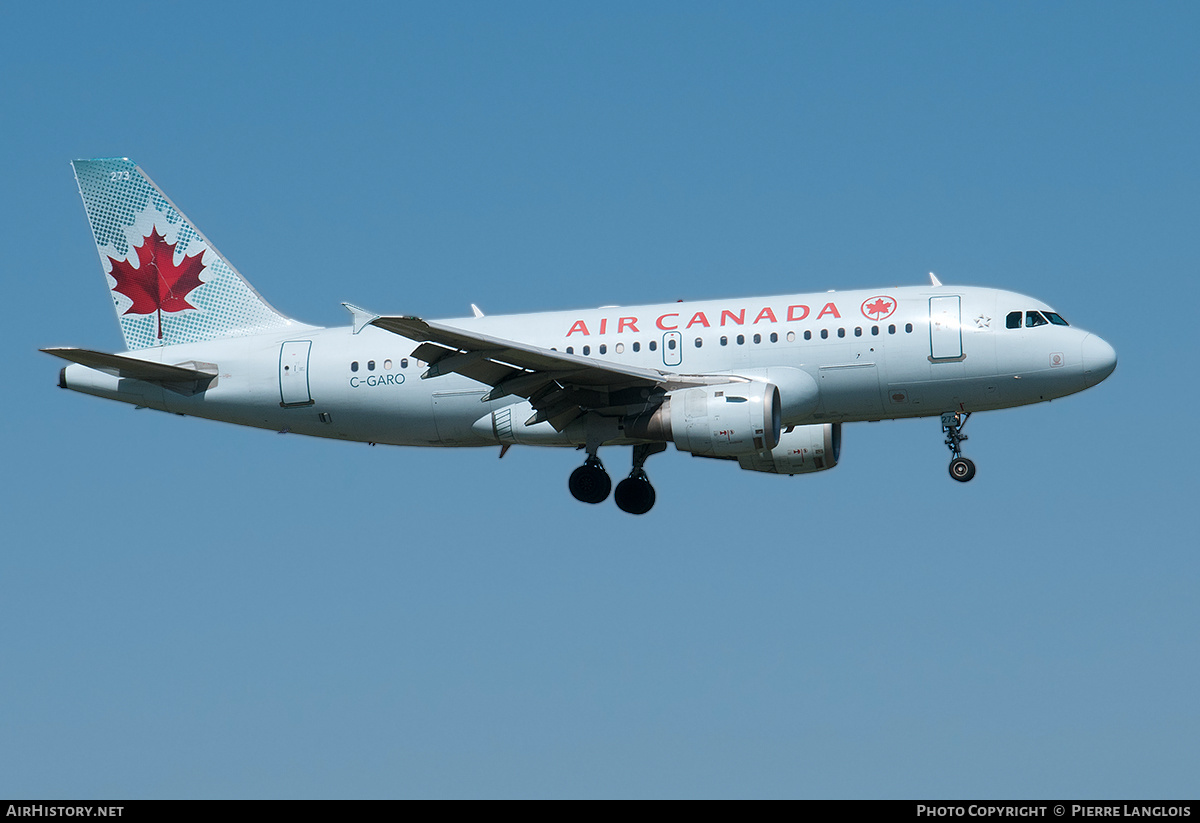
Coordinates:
(766,382)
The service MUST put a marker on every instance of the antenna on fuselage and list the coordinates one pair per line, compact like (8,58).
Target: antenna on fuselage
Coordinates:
(933,279)
(475,309)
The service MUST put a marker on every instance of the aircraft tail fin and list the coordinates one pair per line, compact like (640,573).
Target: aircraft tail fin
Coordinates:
(169,284)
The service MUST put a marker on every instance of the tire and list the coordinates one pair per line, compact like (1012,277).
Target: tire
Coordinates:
(590,484)
(635,495)
(962,469)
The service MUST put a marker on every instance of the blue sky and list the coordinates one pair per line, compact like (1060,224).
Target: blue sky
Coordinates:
(196,610)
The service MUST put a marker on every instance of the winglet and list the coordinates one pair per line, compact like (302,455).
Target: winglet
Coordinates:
(362,317)
(475,309)
(933,279)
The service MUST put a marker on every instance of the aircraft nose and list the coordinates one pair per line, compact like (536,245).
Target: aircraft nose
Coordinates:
(1099,360)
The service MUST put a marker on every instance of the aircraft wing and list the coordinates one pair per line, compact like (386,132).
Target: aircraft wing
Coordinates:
(560,386)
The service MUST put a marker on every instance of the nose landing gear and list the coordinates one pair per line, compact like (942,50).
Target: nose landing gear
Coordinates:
(962,469)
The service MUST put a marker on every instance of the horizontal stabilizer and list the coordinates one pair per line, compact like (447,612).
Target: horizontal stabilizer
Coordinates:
(179,379)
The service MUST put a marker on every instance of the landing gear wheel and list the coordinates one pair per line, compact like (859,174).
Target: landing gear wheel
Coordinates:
(590,482)
(635,494)
(962,469)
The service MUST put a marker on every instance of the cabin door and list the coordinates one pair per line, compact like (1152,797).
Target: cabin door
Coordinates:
(945,328)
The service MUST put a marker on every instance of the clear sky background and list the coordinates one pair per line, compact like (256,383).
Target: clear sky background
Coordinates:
(191,609)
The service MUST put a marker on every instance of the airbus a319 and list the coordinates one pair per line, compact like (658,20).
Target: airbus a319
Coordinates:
(766,382)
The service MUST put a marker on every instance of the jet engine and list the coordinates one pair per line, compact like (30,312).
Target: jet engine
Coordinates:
(724,420)
(800,450)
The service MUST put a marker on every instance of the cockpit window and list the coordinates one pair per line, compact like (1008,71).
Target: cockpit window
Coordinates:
(1013,321)
(1034,318)
(1055,319)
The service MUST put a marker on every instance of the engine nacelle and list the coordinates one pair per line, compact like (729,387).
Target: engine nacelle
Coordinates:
(803,449)
(724,420)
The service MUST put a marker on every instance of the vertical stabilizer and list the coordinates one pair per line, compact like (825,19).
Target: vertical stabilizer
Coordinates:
(168,282)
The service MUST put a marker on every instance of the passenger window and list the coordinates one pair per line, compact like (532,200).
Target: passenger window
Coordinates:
(774,337)
(671,344)
(758,338)
(892,328)
(354,366)
(387,365)
(875,331)
(404,362)
(570,349)
(620,347)
(637,346)
(1055,319)
(792,336)
(1033,318)
(908,328)
(699,342)
(653,345)
(741,339)
(858,331)
(587,350)
(724,340)
(1013,321)
(603,348)
(808,335)
(824,334)
(370,365)
(841,332)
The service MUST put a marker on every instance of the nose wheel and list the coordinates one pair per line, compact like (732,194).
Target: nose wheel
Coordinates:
(962,469)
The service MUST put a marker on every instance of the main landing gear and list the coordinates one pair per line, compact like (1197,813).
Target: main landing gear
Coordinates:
(962,469)
(590,482)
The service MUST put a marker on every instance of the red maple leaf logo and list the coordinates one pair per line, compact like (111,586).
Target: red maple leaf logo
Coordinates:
(881,307)
(157,284)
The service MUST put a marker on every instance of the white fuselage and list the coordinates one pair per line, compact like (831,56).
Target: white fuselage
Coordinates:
(937,349)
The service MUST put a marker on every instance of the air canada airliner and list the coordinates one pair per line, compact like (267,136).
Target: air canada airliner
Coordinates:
(763,381)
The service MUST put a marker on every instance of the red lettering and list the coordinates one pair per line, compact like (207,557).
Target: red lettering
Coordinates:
(766,314)
(792,312)
(579,326)
(829,309)
(739,318)
(659,322)
(698,317)
(603,324)
(630,322)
